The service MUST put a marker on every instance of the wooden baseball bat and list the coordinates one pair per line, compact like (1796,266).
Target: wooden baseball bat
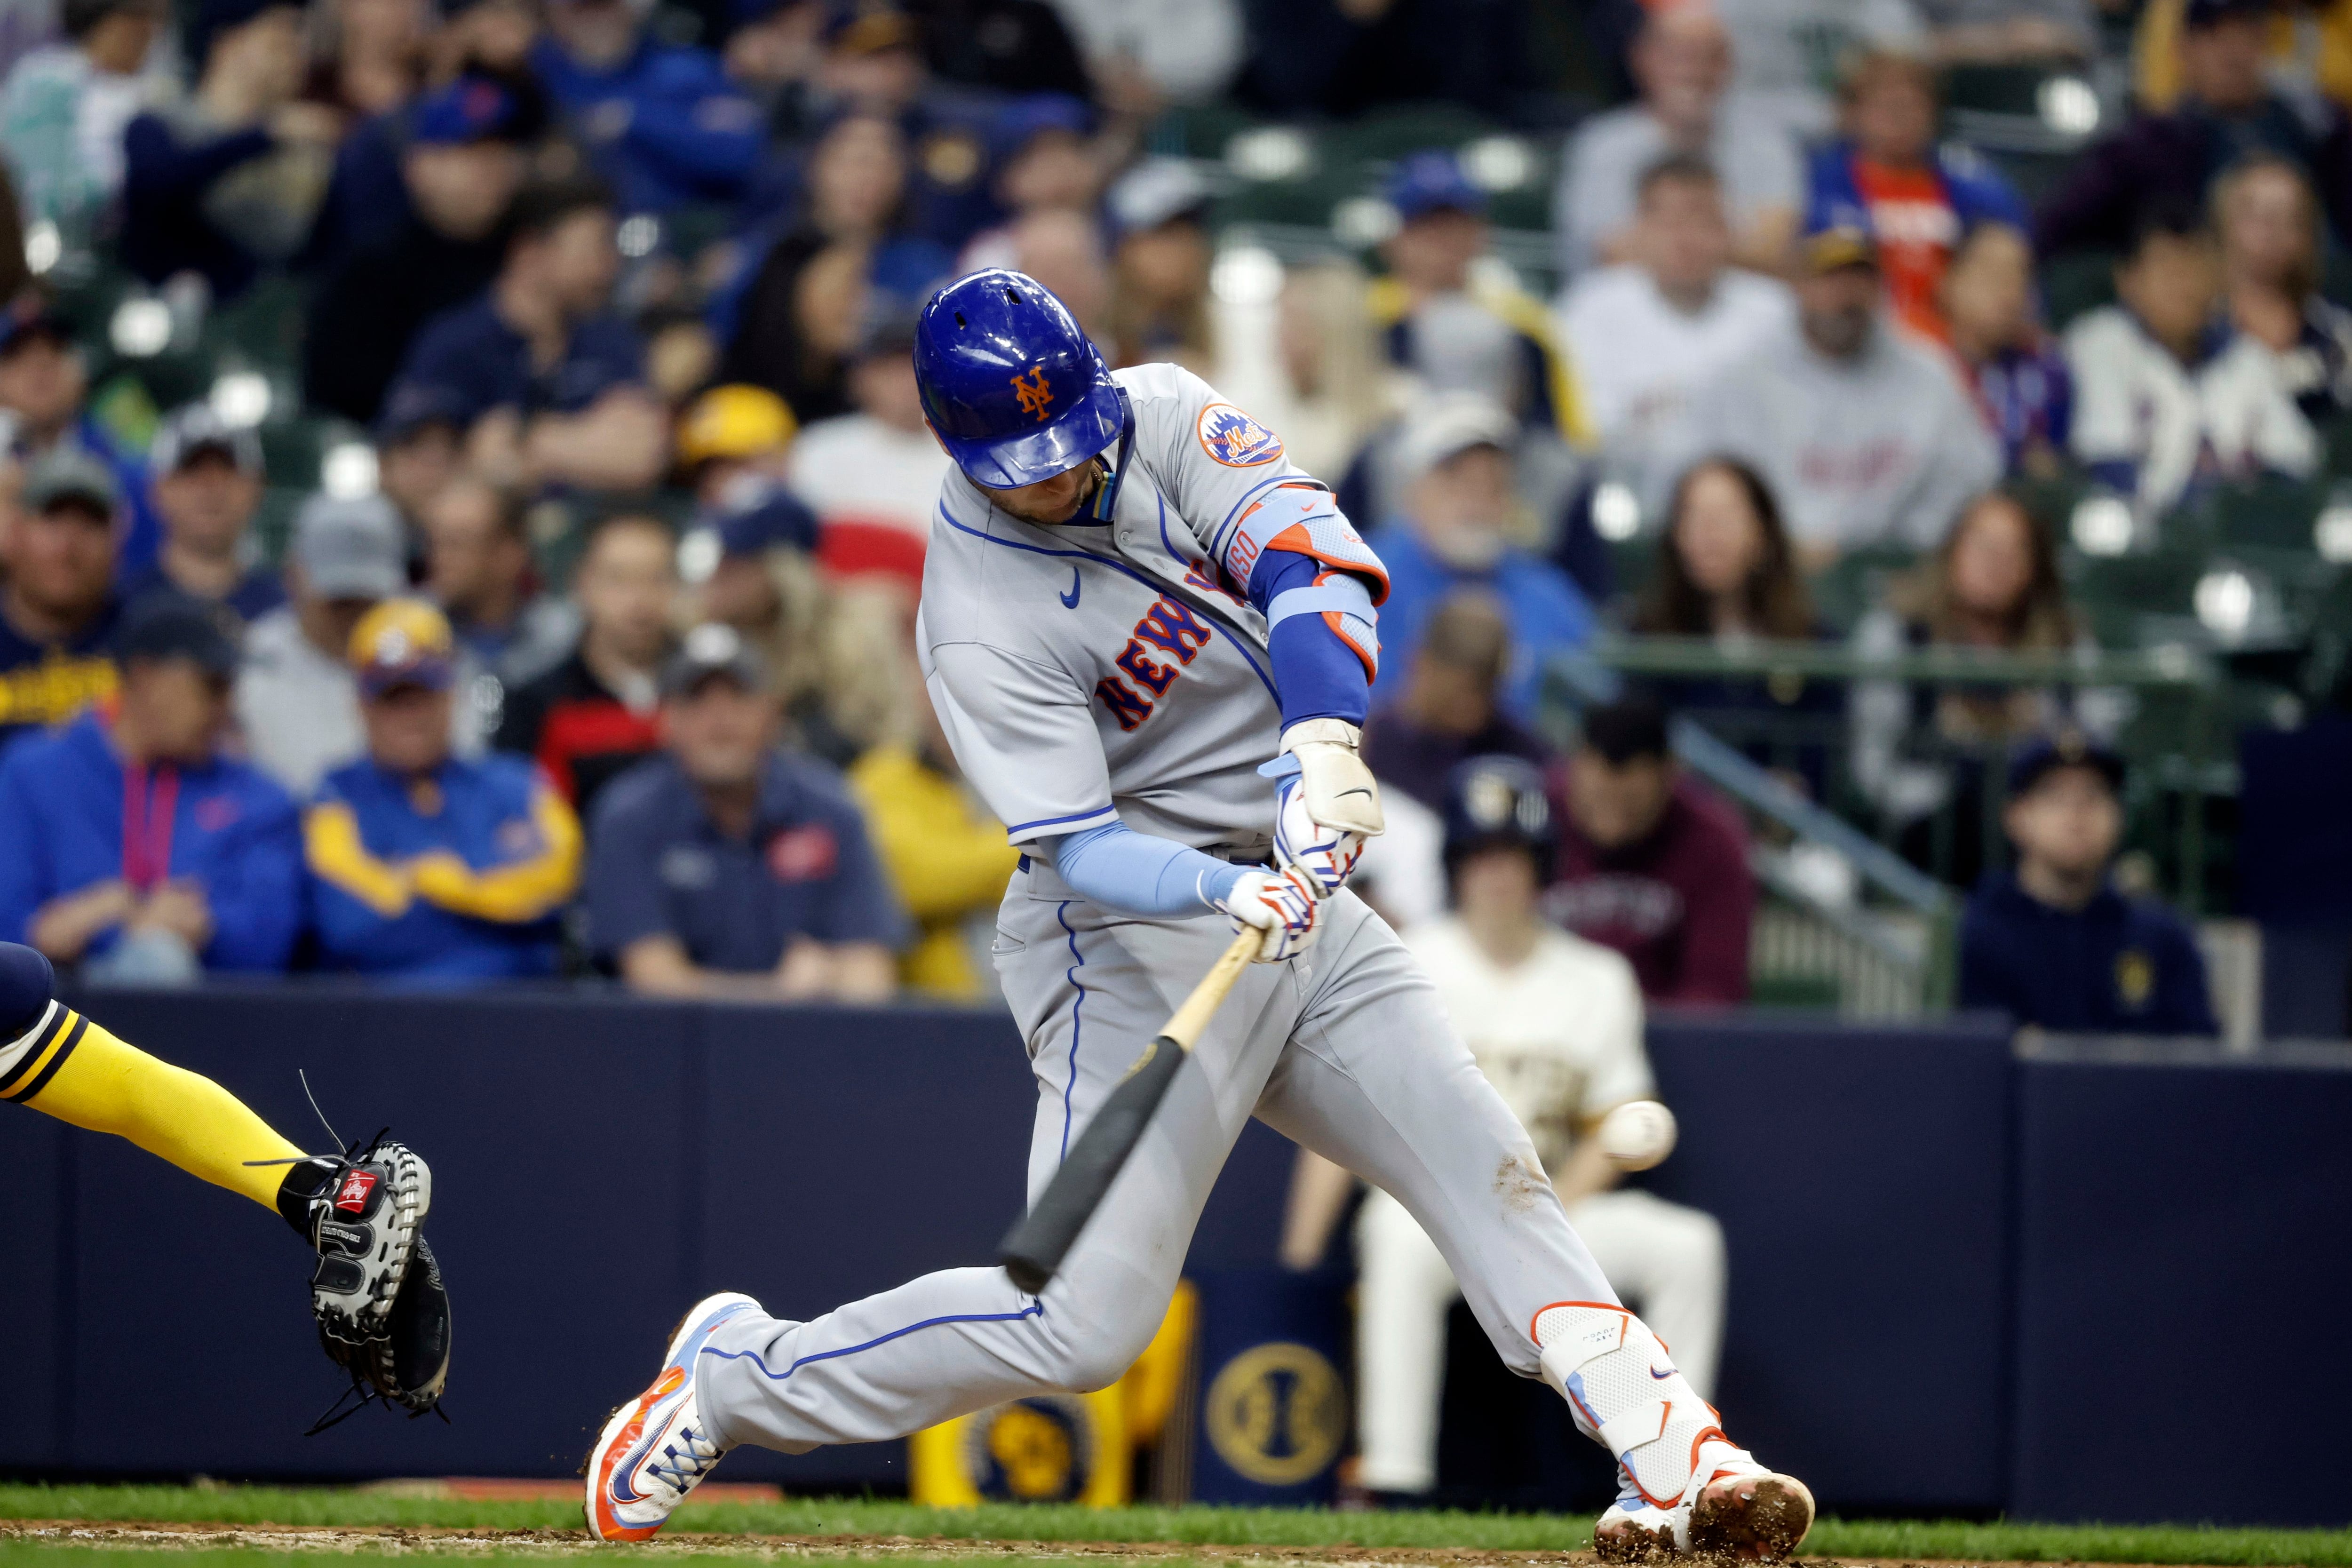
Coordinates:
(1033,1248)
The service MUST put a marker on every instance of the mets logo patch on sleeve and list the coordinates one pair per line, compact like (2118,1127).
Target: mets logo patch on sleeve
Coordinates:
(1235,439)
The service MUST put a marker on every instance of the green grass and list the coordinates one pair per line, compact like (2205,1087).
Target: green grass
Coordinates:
(1903,1541)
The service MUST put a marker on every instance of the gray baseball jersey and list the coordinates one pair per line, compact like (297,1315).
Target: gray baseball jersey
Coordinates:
(1109,670)
(1117,669)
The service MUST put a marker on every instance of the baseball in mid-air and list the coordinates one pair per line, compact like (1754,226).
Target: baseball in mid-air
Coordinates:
(1637,1134)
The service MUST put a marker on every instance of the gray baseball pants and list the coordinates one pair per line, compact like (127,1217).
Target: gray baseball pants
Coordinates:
(1345,1050)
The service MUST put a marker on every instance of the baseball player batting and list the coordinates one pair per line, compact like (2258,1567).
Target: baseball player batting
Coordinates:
(1150,639)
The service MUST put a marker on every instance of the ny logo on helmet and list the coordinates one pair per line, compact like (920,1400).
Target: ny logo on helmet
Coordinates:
(1034,393)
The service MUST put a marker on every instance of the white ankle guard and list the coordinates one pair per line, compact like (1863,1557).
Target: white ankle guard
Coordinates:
(1627,1395)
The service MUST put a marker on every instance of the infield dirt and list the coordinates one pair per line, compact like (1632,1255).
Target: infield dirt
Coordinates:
(65,1536)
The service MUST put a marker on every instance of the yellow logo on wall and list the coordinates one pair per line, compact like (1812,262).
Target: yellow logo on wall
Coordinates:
(1039,1449)
(1278,1414)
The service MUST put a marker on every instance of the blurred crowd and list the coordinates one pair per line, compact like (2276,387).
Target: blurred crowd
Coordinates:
(605,661)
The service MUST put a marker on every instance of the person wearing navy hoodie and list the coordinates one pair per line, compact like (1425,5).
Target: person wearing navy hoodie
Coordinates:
(130,844)
(2053,943)
(228,181)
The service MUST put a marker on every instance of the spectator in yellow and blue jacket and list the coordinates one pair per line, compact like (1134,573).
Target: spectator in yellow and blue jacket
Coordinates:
(423,864)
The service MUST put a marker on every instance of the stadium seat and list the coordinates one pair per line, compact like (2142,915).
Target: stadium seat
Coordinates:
(2335,436)
(291,450)
(1785,991)
(2116,593)
(1387,134)
(2075,284)
(1996,89)
(1308,201)
(263,327)
(1197,131)
(1632,561)
(1856,584)
(2274,512)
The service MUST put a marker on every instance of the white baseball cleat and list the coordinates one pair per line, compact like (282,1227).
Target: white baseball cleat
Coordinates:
(1688,1489)
(1741,1511)
(657,1448)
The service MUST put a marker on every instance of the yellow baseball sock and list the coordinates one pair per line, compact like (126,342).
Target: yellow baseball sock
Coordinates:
(77,1072)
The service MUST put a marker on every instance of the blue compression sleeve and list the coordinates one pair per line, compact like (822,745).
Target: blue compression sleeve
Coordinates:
(1120,869)
(1318,675)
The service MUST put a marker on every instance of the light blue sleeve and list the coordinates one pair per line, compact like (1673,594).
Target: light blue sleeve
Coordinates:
(1120,869)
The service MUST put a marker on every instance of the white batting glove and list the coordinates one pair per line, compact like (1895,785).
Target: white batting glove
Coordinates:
(1327,802)
(1283,905)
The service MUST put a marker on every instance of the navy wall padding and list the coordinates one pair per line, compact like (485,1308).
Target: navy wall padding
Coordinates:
(1917,1287)
(2295,840)
(1860,1176)
(37,1291)
(2307,980)
(2182,1274)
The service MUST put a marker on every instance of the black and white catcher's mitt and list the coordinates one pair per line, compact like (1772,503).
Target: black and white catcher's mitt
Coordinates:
(377,1294)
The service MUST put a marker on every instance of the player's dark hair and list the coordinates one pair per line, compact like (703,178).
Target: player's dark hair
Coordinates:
(543,204)
(1774,595)
(1628,731)
(1684,168)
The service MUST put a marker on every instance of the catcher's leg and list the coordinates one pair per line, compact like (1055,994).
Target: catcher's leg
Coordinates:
(61,1063)
(361,1214)
(1375,1080)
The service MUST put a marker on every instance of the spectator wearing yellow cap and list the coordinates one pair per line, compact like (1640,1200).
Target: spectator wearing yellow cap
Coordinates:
(733,438)
(424,864)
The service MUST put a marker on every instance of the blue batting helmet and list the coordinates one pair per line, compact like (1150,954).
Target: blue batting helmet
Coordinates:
(1011,385)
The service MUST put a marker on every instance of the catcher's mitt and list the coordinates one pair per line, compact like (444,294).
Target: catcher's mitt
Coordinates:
(408,1362)
(382,1312)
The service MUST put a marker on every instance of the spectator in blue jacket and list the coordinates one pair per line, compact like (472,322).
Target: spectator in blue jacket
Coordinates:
(423,864)
(1459,512)
(2053,942)
(463,159)
(730,867)
(660,121)
(131,844)
(544,382)
(59,615)
(1888,176)
(228,181)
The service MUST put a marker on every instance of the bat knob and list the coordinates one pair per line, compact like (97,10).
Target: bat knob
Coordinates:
(1029,1277)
